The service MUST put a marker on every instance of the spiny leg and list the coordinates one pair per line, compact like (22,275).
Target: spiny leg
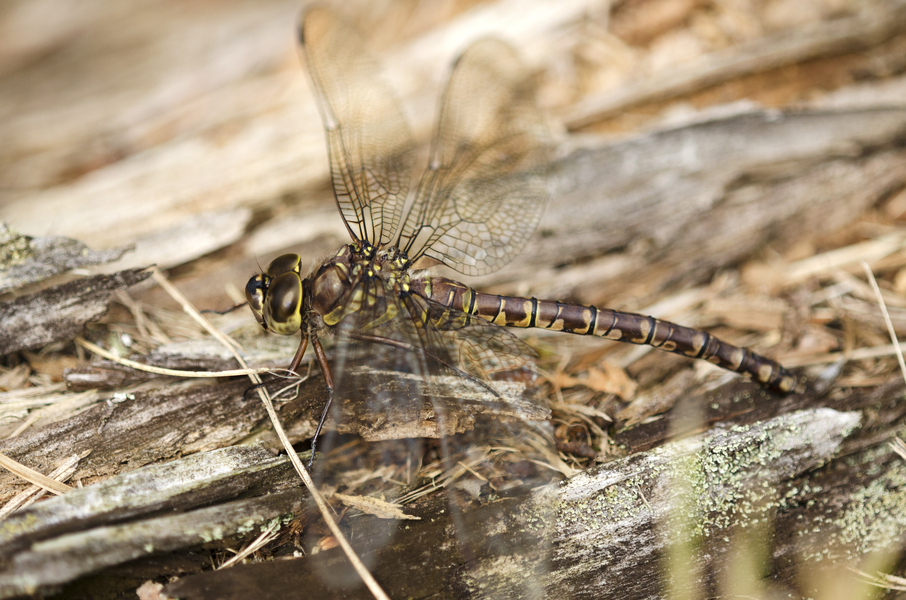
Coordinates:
(325,369)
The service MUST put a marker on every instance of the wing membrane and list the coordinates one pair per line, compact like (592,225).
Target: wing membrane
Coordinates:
(478,203)
(485,188)
(408,333)
(369,144)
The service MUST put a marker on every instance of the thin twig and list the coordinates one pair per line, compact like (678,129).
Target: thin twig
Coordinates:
(356,562)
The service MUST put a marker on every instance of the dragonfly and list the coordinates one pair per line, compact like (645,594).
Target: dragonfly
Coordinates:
(474,209)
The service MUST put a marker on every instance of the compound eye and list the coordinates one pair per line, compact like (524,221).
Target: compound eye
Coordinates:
(254,293)
(288,263)
(282,306)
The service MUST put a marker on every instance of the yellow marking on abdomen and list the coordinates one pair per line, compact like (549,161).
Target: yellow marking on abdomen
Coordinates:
(698,342)
(736,358)
(644,330)
(526,320)
(500,317)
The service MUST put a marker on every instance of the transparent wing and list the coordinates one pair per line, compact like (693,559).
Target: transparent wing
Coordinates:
(485,188)
(476,347)
(368,142)
(428,339)
(403,359)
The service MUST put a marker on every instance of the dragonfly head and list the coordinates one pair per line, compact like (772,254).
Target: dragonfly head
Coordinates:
(275,296)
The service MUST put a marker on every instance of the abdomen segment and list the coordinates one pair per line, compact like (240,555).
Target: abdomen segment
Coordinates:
(510,311)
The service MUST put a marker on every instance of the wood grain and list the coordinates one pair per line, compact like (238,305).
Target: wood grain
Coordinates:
(60,312)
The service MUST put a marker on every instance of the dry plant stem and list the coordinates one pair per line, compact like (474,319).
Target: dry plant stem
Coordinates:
(841,258)
(33,476)
(890,330)
(898,446)
(832,357)
(356,562)
(259,542)
(35,492)
(162,371)
(190,310)
(881,580)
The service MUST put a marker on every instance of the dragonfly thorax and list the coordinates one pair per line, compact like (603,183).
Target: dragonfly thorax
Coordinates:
(336,286)
(330,283)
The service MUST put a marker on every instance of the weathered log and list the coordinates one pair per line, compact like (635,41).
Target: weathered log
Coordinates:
(143,426)
(658,210)
(676,205)
(603,528)
(607,532)
(25,260)
(819,40)
(61,312)
(143,512)
(223,159)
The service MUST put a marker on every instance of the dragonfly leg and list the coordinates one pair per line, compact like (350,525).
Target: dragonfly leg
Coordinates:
(293,367)
(325,369)
(297,359)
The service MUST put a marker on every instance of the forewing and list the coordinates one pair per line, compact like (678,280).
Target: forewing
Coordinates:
(485,188)
(368,142)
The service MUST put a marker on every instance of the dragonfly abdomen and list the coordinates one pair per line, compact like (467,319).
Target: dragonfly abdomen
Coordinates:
(512,311)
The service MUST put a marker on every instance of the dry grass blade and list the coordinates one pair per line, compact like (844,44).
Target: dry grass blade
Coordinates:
(899,446)
(581,409)
(890,329)
(193,312)
(832,357)
(882,580)
(33,493)
(443,478)
(356,562)
(268,535)
(375,507)
(50,403)
(146,327)
(32,476)
(162,371)
(839,258)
